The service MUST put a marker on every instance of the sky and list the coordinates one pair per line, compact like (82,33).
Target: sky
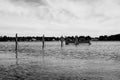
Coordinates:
(59,17)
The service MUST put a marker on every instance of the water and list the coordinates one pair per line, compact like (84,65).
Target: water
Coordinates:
(99,61)
(105,50)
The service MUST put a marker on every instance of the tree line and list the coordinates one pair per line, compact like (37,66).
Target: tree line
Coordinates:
(110,38)
(28,38)
(38,38)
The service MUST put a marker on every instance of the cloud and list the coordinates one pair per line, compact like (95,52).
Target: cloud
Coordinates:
(87,1)
(63,10)
(29,2)
(41,9)
(89,15)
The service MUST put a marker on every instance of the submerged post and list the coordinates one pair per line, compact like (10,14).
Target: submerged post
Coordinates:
(43,42)
(43,51)
(76,40)
(16,48)
(62,39)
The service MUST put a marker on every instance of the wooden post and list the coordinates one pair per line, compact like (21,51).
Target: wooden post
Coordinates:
(62,39)
(76,40)
(43,51)
(43,42)
(16,48)
(66,41)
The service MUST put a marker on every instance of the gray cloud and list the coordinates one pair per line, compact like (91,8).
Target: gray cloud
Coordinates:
(30,2)
(70,15)
(87,1)
(65,11)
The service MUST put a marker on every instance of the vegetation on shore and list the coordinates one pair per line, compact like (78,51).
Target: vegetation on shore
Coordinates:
(115,37)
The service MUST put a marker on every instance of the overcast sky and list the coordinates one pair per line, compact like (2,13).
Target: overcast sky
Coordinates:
(59,17)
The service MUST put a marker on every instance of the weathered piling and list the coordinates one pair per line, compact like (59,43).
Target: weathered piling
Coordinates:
(43,42)
(43,51)
(76,40)
(62,39)
(16,48)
